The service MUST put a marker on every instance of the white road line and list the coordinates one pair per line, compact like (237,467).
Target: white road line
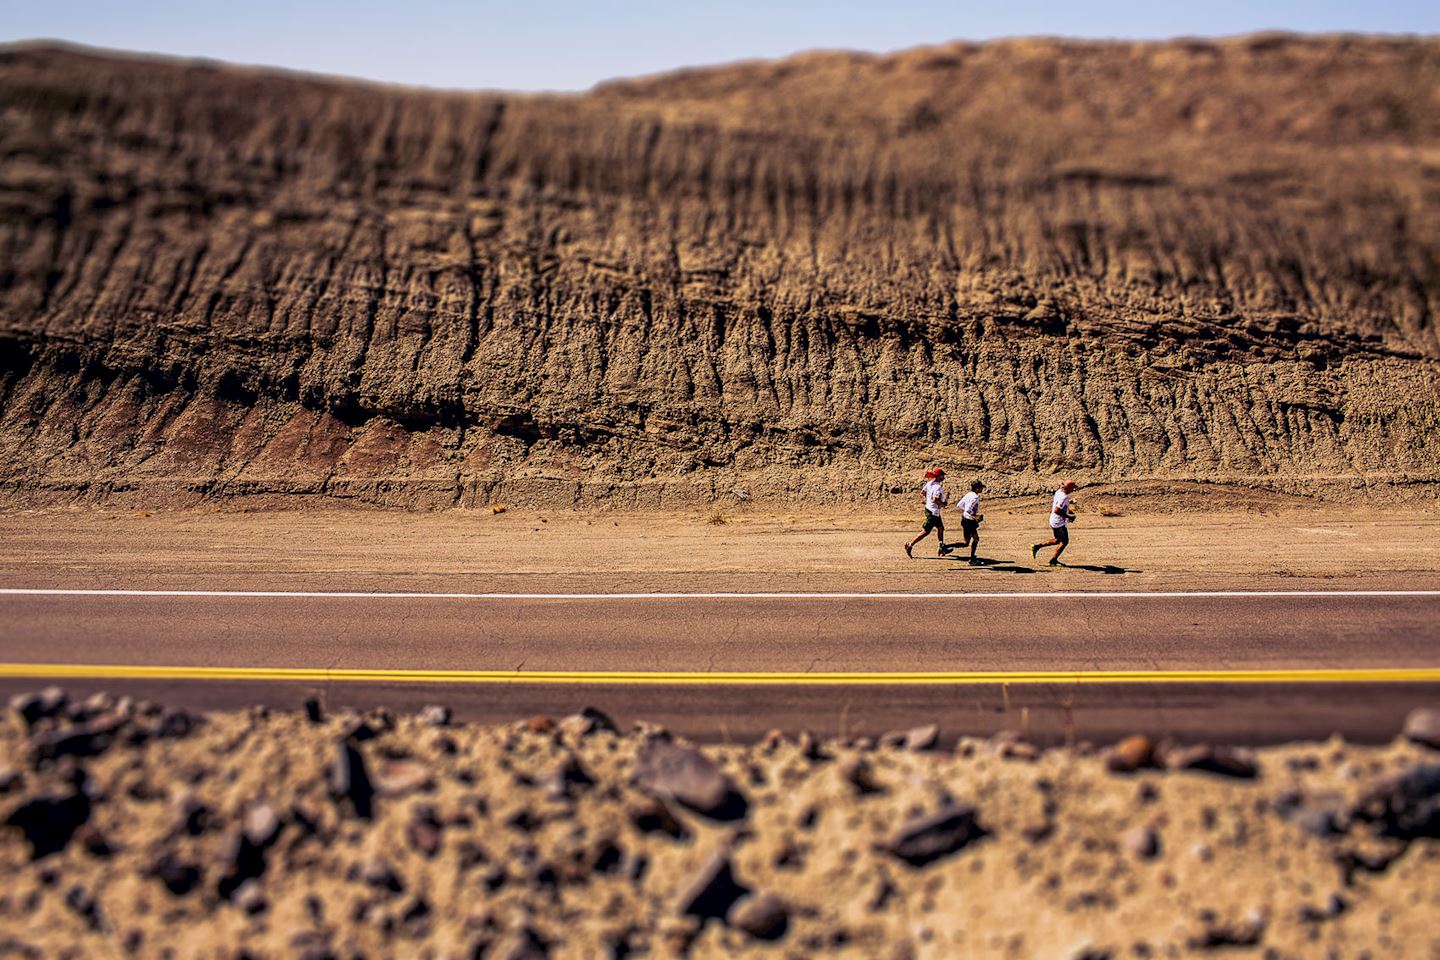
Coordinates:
(1074,595)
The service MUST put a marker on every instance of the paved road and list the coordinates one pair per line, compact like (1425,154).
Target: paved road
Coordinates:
(1067,637)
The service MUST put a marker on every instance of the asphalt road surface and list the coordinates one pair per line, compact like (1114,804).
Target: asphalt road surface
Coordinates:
(1246,666)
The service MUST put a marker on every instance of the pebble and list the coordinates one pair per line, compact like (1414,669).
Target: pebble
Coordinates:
(1222,761)
(84,905)
(671,770)
(262,825)
(395,778)
(350,784)
(922,738)
(313,711)
(858,772)
(378,873)
(1405,803)
(435,715)
(652,815)
(250,898)
(1143,843)
(928,837)
(423,832)
(540,725)
(179,876)
(1130,754)
(764,916)
(587,721)
(36,706)
(567,779)
(1423,726)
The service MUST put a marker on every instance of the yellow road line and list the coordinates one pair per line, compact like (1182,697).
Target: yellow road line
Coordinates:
(77,671)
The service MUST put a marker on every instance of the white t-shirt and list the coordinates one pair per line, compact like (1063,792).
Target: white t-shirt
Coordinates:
(1062,503)
(970,505)
(935,498)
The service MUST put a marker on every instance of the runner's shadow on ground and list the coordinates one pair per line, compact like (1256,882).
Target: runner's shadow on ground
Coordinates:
(1107,568)
(991,564)
(1007,566)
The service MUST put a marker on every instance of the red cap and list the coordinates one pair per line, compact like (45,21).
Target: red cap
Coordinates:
(938,472)
(1067,485)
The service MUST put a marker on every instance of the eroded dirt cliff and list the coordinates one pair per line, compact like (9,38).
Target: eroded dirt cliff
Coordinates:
(1210,260)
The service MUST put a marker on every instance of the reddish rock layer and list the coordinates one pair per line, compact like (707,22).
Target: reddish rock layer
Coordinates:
(1192,259)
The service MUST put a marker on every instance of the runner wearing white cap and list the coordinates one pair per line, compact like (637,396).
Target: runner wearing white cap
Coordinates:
(1061,513)
(970,517)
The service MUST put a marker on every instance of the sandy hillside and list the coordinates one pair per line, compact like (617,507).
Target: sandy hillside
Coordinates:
(1202,260)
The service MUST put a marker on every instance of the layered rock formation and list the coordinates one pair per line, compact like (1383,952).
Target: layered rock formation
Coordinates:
(1210,260)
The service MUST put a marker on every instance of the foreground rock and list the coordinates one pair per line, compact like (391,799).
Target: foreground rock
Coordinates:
(307,835)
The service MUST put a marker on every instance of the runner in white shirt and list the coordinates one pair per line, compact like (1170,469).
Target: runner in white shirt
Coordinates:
(970,517)
(1061,513)
(935,500)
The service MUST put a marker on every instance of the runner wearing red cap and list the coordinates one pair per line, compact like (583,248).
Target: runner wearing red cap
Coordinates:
(935,500)
(1061,514)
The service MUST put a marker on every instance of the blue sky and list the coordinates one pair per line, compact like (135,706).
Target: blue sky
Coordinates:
(569,44)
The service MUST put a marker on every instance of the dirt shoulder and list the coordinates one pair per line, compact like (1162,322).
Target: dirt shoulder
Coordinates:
(130,827)
(1198,538)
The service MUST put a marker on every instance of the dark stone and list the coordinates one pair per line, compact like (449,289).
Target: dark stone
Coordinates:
(350,784)
(712,891)
(174,724)
(568,779)
(858,773)
(651,815)
(1222,761)
(50,820)
(1404,804)
(1243,933)
(34,707)
(313,711)
(82,903)
(240,862)
(1423,726)
(178,876)
(687,775)
(924,839)
(379,874)
(763,916)
(89,739)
